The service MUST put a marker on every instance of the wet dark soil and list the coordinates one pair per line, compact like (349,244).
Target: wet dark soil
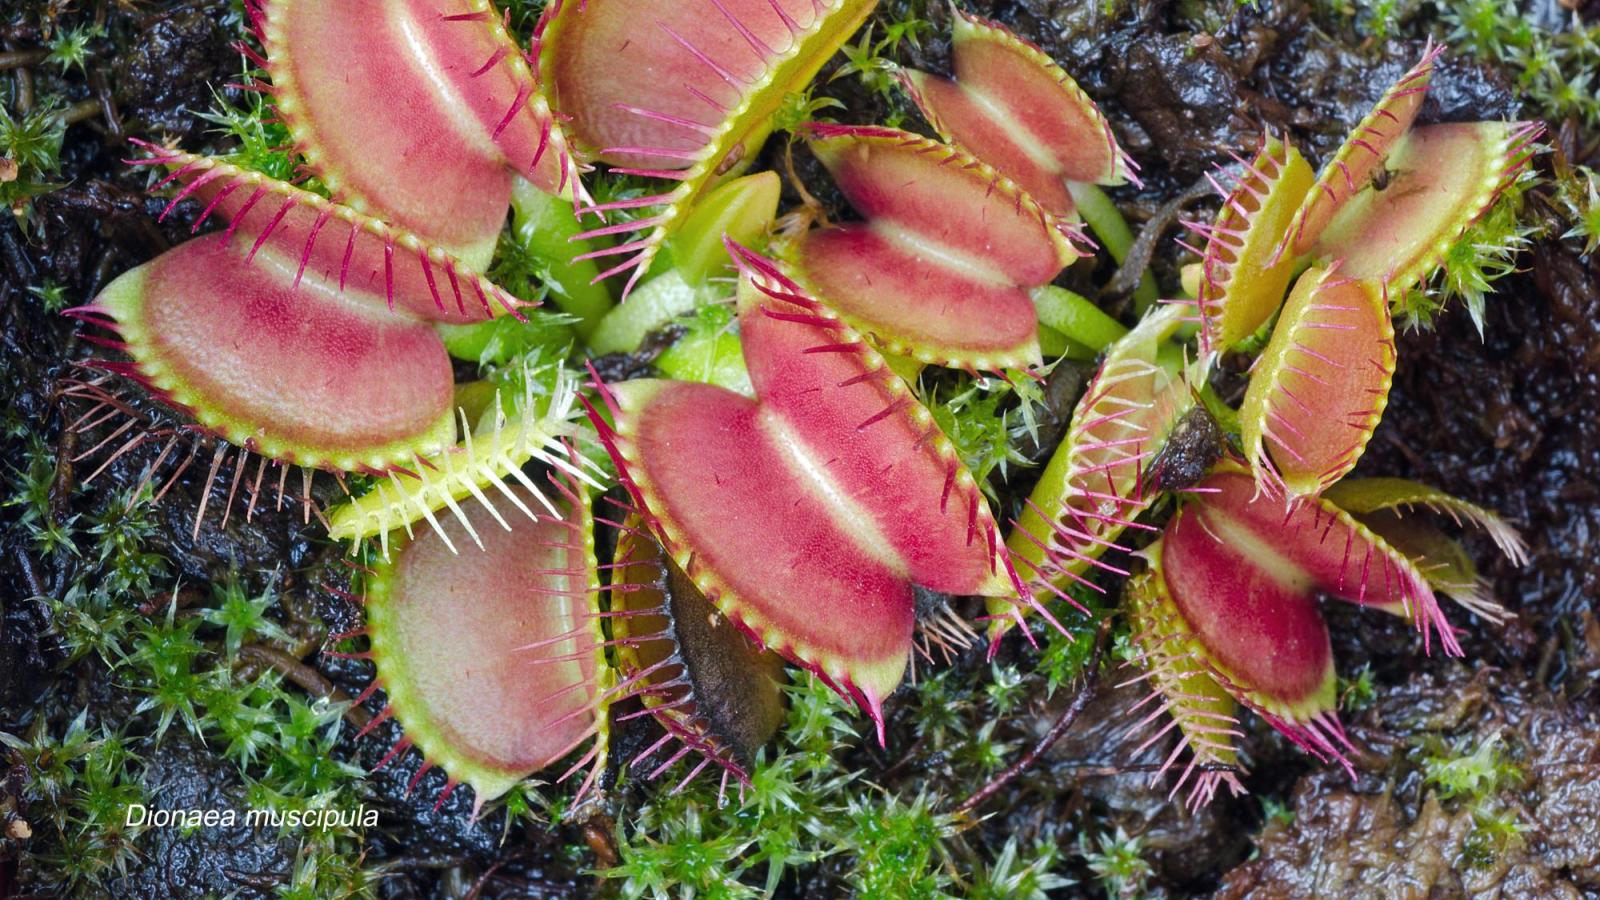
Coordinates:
(213,860)
(1506,420)
(1386,836)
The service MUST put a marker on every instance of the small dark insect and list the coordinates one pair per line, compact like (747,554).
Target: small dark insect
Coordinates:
(1194,446)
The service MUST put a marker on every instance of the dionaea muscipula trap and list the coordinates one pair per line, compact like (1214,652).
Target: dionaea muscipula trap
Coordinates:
(304,331)
(1320,387)
(497,442)
(1228,611)
(1354,165)
(493,662)
(1244,269)
(833,484)
(1013,107)
(712,690)
(945,289)
(502,659)
(419,112)
(1097,484)
(680,90)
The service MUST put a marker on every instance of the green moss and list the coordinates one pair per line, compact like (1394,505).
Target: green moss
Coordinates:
(181,665)
(1493,832)
(83,778)
(1277,812)
(1579,196)
(1357,690)
(689,842)
(810,802)
(1475,775)
(1481,780)
(899,846)
(31,142)
(1554,71)
(1015,876)
(69,48)
(984,418)
(873,58)
(800,107)
(1007,688)
(1376,19)
(241,615)
(1063,655)
(1118,862)
(32,484)
(260,141)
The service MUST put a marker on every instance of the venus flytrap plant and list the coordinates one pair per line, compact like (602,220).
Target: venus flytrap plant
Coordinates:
(1201,710)
(692,267)
(1097,484)
(494,689)
(1012,106)
(448,63)
(1321,386)
(1383,214)
(1086,330)
(689,101)
(911,257)
(1225,611)
(1315,356)
(337,299)
(821,393)
(534,424)
(1448,176)
(1238,575)
(285,225)
(369,390)
(713,691)
(817,507)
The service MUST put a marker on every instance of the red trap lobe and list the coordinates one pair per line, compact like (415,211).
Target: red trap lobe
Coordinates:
(834,486)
